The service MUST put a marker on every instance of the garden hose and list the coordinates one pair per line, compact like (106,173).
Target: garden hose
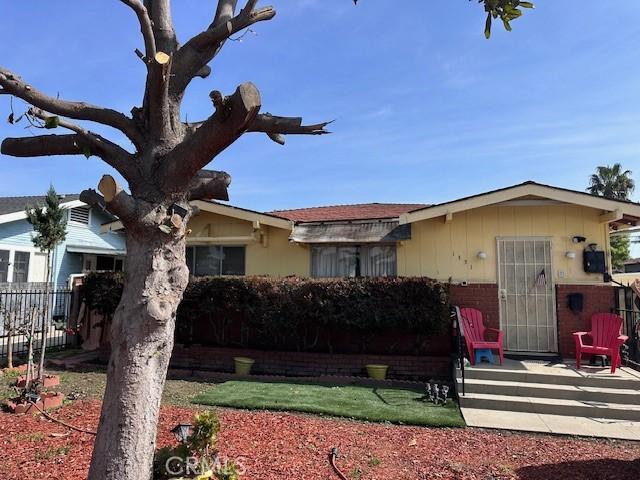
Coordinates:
(332,460)
(77,429)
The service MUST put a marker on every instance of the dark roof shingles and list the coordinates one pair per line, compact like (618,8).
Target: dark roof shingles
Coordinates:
(18,204)
(364,211)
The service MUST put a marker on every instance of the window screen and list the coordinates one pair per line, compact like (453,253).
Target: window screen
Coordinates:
(214,260)
(353,261)
(21,267)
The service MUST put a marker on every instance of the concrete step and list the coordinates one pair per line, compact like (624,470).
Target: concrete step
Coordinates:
(551,406)
(552,424)
(556,376)
(549,390)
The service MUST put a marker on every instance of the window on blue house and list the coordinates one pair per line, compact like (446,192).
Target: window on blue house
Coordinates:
(4,266)
(21,267)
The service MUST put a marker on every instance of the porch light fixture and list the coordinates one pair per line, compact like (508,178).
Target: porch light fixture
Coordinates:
(570,254)
(482,255)
(182,432)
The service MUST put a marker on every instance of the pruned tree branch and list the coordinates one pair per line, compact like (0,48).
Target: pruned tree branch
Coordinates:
(146,26)
(14,85)
(210,185)
(111,153)
(212,136)
(46,145)
(102,144)
(113,198)
(225,11)
(275,127)
(159,12)
(194,55)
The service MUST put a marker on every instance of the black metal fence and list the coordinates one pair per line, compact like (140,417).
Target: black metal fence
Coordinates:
(628,307)
(23,304)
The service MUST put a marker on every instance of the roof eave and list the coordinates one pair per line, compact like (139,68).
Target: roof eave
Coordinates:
(624,208)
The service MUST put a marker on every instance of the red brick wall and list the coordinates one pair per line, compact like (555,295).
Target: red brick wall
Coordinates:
(597,298)
(306,364)
(482,296)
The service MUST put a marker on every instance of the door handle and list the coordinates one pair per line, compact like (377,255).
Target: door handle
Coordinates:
(503,294)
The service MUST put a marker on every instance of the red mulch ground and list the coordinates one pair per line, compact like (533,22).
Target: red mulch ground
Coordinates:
(276,446)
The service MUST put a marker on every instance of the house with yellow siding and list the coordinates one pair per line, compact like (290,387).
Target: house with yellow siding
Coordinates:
(534,258)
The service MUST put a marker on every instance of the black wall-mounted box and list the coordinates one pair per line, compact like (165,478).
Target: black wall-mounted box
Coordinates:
(594,262)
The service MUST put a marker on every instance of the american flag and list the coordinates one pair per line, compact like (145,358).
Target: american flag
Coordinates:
(541,279)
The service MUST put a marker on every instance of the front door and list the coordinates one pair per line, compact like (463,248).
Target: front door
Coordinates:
(527,299)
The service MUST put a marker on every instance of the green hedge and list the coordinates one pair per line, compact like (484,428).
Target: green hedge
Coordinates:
(290,312)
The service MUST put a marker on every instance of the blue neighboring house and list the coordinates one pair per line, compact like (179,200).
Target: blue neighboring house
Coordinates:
(85,249)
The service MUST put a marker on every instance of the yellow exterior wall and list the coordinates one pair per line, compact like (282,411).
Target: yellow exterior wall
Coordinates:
(274,255)
(442,250)
(279,257)
(436,249)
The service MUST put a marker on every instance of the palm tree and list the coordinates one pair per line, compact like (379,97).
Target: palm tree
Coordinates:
(612,182)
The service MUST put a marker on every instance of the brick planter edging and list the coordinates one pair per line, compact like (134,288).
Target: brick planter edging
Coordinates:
(307,364)
(48,401)
(329,380)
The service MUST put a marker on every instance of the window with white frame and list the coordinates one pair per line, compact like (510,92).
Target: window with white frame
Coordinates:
(79,215)
(4,266)
(21,267)
(375,260)
(212,260)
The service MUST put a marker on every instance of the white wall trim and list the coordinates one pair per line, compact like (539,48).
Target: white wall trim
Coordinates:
(15,216)
(31,250)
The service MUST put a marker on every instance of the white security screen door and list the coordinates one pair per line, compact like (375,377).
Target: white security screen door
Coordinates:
(527,299)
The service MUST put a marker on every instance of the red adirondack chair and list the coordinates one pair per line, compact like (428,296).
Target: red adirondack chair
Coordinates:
(473,330)
(606,339)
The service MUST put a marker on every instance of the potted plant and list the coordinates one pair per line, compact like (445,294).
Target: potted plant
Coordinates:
(377,371)
(243,365)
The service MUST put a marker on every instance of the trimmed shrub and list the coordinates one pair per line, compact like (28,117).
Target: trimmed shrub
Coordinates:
(298,313)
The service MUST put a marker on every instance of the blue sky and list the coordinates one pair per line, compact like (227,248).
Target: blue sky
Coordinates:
(426,109)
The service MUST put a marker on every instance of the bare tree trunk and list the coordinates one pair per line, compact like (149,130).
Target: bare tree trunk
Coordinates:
(45,321)
(10,347)
(141,344)
(32,332)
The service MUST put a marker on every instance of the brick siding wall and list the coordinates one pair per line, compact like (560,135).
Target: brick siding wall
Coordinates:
(597,298)
(482,296)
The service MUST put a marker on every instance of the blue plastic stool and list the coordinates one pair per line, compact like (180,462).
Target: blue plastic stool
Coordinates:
(484,354)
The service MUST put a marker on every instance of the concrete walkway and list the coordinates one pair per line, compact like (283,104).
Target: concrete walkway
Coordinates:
(558,424)
(538,396)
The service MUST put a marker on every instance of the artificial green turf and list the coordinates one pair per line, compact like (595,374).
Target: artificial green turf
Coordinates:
(361,403)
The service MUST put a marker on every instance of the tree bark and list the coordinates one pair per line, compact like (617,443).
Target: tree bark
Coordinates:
(141,344)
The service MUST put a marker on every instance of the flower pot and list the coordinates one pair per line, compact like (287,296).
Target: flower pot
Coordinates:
(243,365)
(377,372)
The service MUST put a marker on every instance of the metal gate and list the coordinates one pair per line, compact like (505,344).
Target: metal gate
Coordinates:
(20,305)
(527,298)
(628,307)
